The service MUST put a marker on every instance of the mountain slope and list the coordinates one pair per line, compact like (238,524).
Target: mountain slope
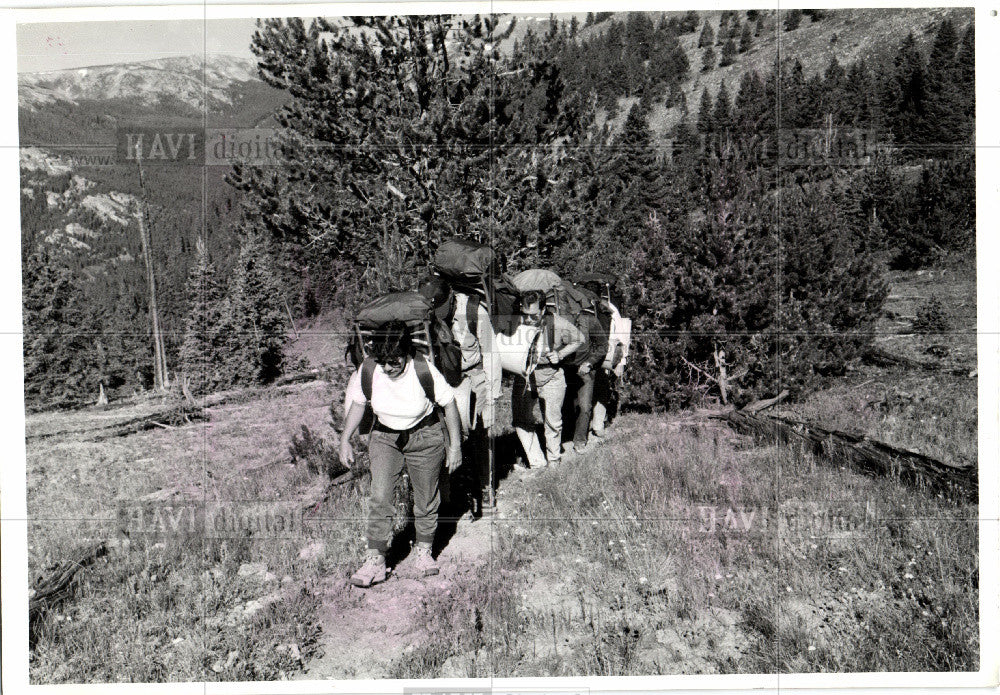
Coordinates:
(191,79)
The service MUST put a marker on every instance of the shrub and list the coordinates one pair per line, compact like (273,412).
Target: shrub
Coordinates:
(931,317)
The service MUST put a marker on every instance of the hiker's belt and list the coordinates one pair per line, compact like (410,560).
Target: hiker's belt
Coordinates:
(431,419)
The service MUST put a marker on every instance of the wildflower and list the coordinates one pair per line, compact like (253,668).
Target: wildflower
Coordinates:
(813,546)
(925,613)
(711,595)
(788,589)
(643,580)
(729,576)
(812,647)
(907,576)
(718,576)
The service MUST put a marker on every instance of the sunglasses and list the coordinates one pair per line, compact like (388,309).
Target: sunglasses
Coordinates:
(393,363)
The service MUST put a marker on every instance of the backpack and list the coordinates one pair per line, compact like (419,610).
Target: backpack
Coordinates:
(605,283)
(431,335)
(561,296)
(471,268)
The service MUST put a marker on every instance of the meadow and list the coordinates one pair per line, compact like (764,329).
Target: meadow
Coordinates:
(677,546)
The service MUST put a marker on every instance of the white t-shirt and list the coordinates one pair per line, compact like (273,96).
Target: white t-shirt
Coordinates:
(400,403)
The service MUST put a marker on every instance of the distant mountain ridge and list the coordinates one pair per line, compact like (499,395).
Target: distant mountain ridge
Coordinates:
(194,80)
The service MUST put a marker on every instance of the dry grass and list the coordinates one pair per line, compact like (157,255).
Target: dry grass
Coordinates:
(673,548)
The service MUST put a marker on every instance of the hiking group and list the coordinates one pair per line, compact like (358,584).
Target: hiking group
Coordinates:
(430,366)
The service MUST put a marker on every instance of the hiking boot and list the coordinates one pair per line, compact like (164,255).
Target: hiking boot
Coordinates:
(488,505)
(372,572)
(597,437)
(579,448)
(423,562)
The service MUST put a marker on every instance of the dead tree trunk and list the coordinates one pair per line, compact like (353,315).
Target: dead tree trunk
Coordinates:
(868,455)
(48,592)
(161,380)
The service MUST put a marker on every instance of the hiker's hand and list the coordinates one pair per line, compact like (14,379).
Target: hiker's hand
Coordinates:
(487,416)
(453,459)
(583,369)
(346,452)
(552,357)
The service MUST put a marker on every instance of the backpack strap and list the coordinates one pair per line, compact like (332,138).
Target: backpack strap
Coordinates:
(472,314)
(550,331)
(424,377)
(367,373)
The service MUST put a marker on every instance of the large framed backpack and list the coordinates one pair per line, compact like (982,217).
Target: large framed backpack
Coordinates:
(471,268)
(431,336)
(561,297)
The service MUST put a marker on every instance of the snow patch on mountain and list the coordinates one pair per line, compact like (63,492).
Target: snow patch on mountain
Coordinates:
(195,80)
(36,159)
(114,207)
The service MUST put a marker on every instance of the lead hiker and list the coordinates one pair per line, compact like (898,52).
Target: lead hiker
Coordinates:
(406,394)
(559,339)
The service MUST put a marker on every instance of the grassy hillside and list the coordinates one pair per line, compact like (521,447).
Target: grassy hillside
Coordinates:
(677,547)
(847,35)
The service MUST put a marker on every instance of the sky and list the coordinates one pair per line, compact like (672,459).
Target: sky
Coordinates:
(59,46)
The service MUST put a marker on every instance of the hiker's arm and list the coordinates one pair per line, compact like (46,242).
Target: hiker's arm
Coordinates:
(600,344)
(574,339)
(491,360)
(351,424)
(453,457)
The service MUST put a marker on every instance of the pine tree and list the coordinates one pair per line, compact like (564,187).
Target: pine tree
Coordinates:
(705,123)
(690,22)
(722,113)
(723,31)
(202,354)
(753,112)
(60,367)
(728,54)
(746,38)
(254,320)
(833,95)
(707,37)
(735,30)
(793,18)
(708,59)
(965,80)
(908,93)
(942,124)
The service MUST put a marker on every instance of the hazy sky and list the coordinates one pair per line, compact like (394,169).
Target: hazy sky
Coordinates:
(78,44)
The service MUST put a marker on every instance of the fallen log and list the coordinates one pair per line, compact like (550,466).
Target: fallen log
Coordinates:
(882,358)
(165,417)
(863,453)
(48,592)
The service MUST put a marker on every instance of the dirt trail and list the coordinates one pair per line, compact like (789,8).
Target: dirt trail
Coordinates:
(366,630)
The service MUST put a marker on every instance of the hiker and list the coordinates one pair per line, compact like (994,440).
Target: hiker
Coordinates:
(559,340)
(477,394)
(405,393)
(609,372)
(581,370)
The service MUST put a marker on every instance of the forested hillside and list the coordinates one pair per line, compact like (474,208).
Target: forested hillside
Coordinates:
(644,145)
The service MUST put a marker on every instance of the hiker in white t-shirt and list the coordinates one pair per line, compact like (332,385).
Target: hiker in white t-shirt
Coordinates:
(406,393)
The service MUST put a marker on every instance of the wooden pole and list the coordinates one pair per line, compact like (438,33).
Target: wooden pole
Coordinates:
(161,380)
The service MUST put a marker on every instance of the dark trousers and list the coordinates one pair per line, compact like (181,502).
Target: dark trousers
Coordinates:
(422,452)
(584,404)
